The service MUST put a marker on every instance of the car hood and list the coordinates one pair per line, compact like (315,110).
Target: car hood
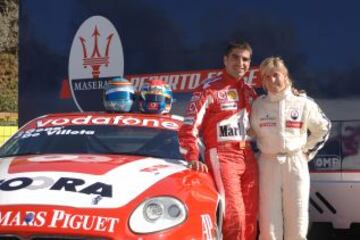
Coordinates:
(86,181)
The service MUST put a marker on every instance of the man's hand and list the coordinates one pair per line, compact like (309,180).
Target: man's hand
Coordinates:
(298,92)
(198,166)
(251,132)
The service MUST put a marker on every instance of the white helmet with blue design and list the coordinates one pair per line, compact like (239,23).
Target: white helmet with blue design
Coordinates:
(119,95)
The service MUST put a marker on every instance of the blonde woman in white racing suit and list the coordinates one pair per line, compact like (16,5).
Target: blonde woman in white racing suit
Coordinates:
(289,129)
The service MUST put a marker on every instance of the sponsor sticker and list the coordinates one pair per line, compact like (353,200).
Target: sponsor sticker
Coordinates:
(153,106)
(58,219)
(81,185)
(293,124)
(229,131)
(267,118)
(232,95)
(234,128)
(327,162)
(105,120)
(207,227)
(267,121)
(228,106)
(229,95)
(268,124)
(56,131)
(77,185)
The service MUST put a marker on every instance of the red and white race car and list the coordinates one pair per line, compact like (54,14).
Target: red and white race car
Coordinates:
(103,176)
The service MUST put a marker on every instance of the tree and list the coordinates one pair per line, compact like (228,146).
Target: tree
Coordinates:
(9,11)
(8,82)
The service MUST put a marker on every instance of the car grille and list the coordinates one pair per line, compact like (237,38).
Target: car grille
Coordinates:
(15,237)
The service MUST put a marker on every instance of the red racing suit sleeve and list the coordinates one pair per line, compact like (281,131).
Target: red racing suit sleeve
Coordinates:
(193,122)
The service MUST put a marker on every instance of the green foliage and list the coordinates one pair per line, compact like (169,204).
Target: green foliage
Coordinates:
(8,82)
(8,55)
(9,28)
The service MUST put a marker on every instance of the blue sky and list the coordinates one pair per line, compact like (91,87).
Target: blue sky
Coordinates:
(328,31)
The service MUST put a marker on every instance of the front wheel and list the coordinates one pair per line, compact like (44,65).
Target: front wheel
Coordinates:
(322,231)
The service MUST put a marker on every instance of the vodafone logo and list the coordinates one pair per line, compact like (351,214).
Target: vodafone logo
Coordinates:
(113,120)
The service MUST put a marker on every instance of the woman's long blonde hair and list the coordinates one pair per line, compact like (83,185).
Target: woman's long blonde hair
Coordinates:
(275,63)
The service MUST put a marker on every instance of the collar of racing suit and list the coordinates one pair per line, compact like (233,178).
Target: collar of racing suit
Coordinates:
(227,78)
(279,96)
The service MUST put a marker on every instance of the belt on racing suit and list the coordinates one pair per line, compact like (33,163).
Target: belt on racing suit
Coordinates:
(241,145)
(281,156)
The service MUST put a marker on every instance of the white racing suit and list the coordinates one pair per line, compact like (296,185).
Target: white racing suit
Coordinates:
(289,130)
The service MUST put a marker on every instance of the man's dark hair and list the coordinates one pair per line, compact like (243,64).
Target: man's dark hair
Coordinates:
(238,44)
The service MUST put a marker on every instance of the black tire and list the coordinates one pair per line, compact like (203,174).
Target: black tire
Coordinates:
(322,231)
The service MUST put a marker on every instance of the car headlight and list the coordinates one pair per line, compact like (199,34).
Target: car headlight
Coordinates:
(157,214)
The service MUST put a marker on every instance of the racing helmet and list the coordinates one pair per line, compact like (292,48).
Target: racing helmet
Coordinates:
(155,97)
(118,95)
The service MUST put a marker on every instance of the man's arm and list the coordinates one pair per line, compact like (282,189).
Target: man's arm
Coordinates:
(189,132)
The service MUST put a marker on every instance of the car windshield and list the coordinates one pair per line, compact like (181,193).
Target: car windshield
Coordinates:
(99,139)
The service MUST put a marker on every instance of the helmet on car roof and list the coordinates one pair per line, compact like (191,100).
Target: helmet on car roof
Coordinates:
(118,95)
(155,97)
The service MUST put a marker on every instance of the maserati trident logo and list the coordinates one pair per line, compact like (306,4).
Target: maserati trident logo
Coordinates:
(294,114)
(96,60)
(96,56)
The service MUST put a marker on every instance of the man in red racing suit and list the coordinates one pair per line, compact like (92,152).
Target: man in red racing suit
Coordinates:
(219,113)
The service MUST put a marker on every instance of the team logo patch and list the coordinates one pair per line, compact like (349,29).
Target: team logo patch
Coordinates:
(294,114)
(229,95)
(153,106)
(222,95)
(267,121)
(232,95)
(268,117)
